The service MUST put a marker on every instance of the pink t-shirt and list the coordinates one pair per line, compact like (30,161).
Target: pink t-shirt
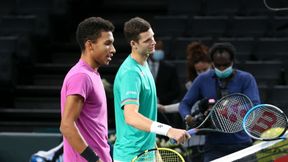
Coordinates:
(92,121)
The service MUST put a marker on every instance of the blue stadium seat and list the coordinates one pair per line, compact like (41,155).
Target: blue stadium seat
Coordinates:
(243,46)
(6,67)
(18,25)
(222,7)
(8,43)
(272,49)
(36,6)
(207,26)
(279,26)
(248,26)
(265,72)
(170,25)
(255,7)
(7,78)
(179,47)
(187,7)
(278,96)
(7,6)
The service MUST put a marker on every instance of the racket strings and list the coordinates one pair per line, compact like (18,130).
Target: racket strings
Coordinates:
(159,155)
(168,156)
(229,113)
(266,122)
(147,156)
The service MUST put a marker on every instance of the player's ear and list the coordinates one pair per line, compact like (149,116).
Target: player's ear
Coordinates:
(133,44)
(88,45)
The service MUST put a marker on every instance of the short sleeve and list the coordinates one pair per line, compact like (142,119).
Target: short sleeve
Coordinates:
(130,88)
(79,84)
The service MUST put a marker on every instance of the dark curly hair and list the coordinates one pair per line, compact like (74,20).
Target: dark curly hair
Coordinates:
(222,47)
(196,52)
(91,28)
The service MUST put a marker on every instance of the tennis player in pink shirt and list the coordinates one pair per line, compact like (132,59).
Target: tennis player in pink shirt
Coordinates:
(83,100)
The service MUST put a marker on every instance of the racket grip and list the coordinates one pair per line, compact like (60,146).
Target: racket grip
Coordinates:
(192,131)
(173,141)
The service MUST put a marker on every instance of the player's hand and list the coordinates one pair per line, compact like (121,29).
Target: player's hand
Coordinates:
(99,160)
(179,135)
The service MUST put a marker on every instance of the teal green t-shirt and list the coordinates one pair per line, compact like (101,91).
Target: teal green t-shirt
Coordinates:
(134,84)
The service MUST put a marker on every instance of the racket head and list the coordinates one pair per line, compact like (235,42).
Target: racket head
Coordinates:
(227,113)
(265,122)
(159,155)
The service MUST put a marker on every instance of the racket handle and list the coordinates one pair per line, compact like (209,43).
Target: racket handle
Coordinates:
(173,141)
(191,132)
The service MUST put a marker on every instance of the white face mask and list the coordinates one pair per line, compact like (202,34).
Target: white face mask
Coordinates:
(225,73)
(158,55)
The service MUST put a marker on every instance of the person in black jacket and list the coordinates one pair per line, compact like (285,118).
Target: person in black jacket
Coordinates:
(167,83)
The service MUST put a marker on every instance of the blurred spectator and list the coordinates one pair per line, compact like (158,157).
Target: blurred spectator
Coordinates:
(167,83)
(198,61)
(214,84)
(165,75)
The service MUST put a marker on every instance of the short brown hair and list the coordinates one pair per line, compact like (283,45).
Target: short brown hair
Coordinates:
(134,27)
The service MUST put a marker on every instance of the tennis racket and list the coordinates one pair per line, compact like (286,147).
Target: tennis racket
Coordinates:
(225,116)
(265,122)
(159,155)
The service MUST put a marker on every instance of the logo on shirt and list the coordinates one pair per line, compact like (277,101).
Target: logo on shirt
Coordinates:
(131,92)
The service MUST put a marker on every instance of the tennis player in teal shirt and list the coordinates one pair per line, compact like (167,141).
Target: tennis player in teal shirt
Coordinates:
(135,97)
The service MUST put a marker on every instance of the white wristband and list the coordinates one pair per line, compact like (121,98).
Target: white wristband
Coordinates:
(159,128)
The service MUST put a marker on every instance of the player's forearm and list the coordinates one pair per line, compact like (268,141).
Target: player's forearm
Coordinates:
(74,138)
(139,121)
(72,135)
(145,124)
(171,108)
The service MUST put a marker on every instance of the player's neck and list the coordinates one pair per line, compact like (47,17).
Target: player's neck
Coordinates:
(94,65)
(141,59)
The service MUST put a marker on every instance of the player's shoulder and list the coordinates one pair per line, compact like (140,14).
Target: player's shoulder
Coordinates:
(245,74)
(128,67)
(77,76)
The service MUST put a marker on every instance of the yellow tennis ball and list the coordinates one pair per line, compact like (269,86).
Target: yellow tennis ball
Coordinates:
(272,132)
(273,152)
